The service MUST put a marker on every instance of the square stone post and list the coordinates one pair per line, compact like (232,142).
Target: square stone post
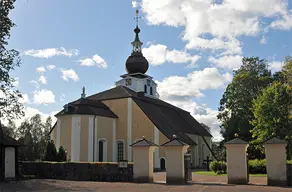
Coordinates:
(276,161)
(143,160)
(237,172)
(174,152)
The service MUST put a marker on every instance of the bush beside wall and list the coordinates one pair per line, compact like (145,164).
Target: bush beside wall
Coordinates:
(78,171)
(256,166)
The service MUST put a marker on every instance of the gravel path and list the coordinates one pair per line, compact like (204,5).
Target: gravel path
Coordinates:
(200,184)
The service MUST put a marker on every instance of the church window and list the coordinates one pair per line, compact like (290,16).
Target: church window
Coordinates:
(151,91)
(148,82)
(145,88)
(120,150)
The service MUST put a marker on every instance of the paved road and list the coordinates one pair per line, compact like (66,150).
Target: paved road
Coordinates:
(200,184)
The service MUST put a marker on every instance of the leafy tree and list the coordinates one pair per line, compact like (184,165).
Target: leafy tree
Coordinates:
(62,156)
(271,114)
(9,59)
(235,106)
(51,152)
(287,70)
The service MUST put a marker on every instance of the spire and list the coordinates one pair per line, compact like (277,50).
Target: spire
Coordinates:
(137,44)
(83,92)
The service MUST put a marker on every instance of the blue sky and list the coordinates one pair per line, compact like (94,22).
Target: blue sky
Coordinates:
(191,45)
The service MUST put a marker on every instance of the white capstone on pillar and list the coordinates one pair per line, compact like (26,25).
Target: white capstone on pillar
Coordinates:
(143,160)
(237,172)
(276,161)
(174,152)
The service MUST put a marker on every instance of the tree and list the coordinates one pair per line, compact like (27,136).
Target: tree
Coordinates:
(10,106)
(271,114)
(236,103)
(62,156)
(51,152)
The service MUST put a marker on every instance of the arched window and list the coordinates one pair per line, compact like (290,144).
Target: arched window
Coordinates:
(102,150)
(145,88)
(120,150)
(151,91)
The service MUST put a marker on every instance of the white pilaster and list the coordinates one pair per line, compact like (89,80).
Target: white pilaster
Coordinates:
(96,140)
(75,138)
(58,137)
(129,135)
(90,138)
(156,152)
(114,141)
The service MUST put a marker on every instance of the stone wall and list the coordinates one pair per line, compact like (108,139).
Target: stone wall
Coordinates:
(77,171)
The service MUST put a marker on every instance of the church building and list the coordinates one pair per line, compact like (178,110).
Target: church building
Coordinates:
(101,127)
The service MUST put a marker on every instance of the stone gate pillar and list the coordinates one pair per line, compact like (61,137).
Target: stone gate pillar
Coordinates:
(174,152)
(237,172)
(276,161)
(143,160)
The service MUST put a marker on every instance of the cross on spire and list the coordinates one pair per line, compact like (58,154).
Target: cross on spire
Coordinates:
(137,17)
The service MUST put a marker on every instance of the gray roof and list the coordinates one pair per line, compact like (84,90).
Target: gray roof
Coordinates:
(174,142)
(143,143)
(236,141)
(275,140)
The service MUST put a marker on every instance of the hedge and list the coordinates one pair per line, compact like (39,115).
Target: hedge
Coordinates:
(256,166)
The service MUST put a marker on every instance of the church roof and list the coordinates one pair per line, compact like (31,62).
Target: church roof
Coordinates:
(88,107)
(143,143)
(167,118)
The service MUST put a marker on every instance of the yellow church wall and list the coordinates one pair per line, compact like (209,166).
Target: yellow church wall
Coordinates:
(84,138)
(141,124)
(162,139)
(119,107)
(54,134)
(65,138)
(105,131)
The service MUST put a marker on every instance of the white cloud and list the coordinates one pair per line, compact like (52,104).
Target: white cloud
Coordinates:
(30,112)
(275,66)
(193,83)
(95,60)
(69,74)
(159,54)
(43,79)
(231,62)
(35,84)
(285,23)
(263,40)
(24,99)
(216,26)
(134,4)
(51,52)
(62,97)
(51,67)
(40,70)
(43,96)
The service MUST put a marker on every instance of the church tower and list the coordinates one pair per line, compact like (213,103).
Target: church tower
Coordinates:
(136,67)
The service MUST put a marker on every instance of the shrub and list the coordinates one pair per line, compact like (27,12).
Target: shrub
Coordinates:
(51,152)
(62,156)
(289,162)
(257,166)
(218,167)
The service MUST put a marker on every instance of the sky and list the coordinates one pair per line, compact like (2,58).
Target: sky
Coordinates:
(192,46)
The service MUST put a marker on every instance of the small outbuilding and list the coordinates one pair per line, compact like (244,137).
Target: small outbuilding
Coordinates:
(9,158)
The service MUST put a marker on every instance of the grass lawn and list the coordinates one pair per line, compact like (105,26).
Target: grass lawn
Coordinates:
(211,173)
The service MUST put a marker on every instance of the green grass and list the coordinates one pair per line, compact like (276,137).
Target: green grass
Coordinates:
(211,173)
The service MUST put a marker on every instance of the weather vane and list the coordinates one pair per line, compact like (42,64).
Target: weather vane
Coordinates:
(137,16)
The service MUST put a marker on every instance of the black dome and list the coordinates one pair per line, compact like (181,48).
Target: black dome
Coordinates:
(137,63)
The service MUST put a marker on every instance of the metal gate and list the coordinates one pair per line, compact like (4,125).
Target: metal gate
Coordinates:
(188,168)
